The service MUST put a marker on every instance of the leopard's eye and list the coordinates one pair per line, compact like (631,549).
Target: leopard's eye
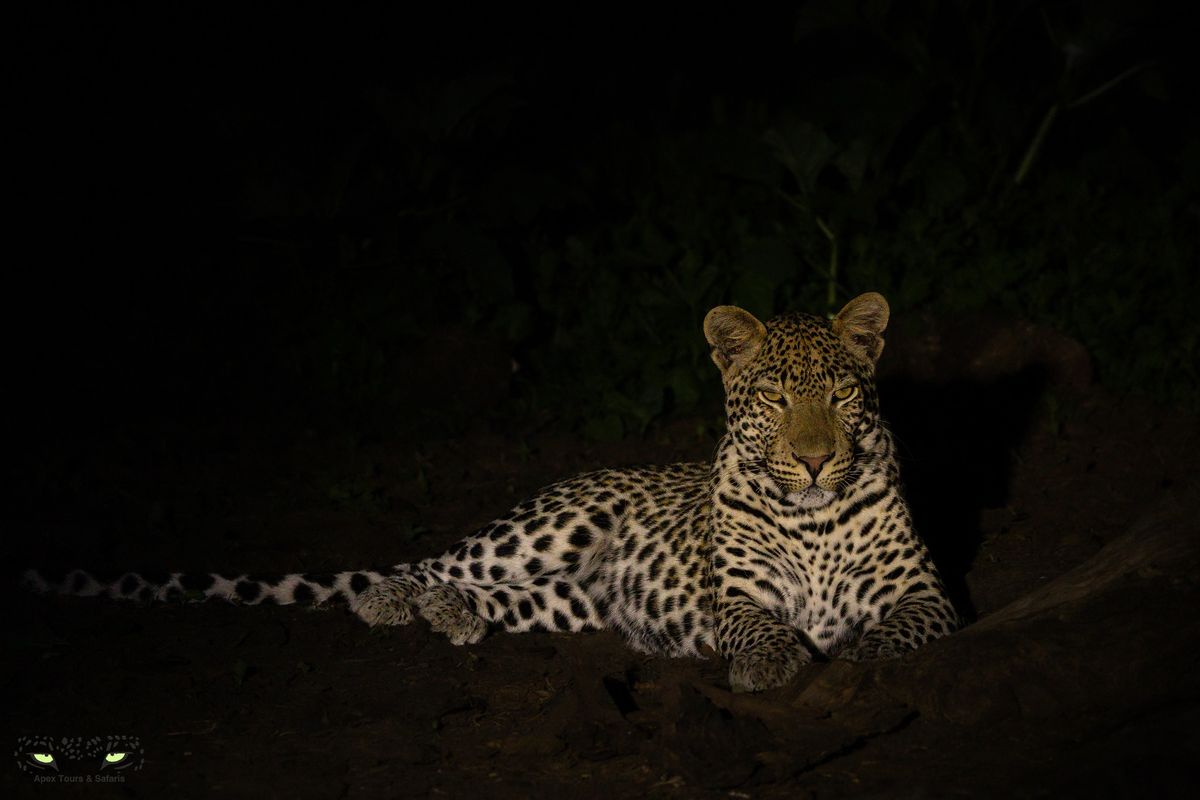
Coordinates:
(845,393)
(115,758)
(770,396)
(43,758)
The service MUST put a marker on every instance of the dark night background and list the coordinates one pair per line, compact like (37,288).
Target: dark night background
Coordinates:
(378,271)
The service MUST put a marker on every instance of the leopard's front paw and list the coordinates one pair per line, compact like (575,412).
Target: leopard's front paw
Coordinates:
(872,649)
(447,612)
(385,603)
(763,668)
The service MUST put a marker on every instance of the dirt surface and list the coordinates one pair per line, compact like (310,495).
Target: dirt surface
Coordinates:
(1064,520)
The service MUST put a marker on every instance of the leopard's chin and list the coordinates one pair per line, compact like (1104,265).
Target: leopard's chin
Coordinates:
(790,496)
(812,498)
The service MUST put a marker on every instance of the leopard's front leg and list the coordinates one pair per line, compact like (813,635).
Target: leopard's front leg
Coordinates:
(764,652)
(921,615)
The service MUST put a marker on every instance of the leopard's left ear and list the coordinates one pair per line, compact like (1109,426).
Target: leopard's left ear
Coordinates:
(860,325)
(735,336)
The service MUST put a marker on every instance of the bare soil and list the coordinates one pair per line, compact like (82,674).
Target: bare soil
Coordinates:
(1063,518)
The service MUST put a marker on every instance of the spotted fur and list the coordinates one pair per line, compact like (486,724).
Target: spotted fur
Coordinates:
(795,541)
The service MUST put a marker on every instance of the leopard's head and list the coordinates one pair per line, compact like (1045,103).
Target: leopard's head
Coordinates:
(800,394)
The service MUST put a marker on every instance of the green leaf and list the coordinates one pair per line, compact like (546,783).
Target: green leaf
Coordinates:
(804,149)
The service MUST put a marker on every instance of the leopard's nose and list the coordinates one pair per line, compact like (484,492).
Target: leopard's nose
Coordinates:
(814,463)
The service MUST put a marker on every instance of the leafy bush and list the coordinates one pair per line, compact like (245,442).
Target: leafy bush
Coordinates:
(1035,158)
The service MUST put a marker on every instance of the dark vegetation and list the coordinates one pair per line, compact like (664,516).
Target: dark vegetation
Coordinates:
(383,275)
(288,210)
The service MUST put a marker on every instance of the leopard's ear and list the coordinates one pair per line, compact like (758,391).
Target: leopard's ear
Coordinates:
(860,325)
(735,336)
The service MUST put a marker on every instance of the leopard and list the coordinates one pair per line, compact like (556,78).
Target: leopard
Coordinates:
(793,544)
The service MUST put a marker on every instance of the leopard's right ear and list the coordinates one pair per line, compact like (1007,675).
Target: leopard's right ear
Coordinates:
(735,335)
(860,326)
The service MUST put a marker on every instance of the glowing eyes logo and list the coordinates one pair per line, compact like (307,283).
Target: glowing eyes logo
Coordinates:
(79,759)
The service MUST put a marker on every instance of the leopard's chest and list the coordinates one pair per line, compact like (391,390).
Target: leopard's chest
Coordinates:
(832,574)
(825,588)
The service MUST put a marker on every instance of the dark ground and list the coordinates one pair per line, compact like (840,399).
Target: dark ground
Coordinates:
(1062,516)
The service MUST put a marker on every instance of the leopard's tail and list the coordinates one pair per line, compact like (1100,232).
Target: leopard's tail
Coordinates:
(196,587)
